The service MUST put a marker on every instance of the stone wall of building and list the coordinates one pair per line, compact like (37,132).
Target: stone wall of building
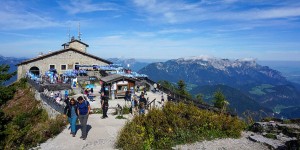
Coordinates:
(78,46)
(68,58)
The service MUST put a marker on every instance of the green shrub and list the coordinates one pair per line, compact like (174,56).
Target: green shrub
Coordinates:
(176,124)
(126,110)
(270,136)
(121,117)
(97,111)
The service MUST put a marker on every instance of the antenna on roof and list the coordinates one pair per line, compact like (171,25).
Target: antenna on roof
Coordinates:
(69,36)
(79,34)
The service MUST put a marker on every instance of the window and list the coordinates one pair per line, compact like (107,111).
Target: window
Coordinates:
(52,67)
(77,66)
(63,67)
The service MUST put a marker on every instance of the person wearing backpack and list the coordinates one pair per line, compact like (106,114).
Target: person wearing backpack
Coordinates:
(71,112)
(83,112)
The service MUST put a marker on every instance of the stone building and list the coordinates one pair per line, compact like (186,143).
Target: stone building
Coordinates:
(70,57)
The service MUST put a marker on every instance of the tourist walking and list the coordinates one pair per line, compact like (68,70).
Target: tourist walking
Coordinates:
(134,105)
(104,105)
(142,105)
(127,97)
(155,87)
(162,101)
(145,90)
(71,112)
(83,112)
(169,97)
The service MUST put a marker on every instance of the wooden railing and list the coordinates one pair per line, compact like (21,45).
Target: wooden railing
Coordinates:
(148,106)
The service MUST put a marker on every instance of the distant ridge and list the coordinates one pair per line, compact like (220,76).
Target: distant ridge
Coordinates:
(268,87)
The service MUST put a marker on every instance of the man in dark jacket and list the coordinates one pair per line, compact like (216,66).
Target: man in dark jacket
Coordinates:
(104,105)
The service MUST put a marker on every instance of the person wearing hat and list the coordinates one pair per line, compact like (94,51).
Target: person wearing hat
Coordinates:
(83,112)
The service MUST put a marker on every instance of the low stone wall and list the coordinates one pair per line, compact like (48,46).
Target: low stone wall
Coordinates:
(53,109)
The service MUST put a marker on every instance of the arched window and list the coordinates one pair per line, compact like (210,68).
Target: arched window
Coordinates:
(35,70)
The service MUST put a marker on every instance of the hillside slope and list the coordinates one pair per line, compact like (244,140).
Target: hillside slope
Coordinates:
(238,101)
(27,123)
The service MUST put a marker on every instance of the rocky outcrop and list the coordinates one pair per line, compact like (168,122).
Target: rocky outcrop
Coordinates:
(276,135)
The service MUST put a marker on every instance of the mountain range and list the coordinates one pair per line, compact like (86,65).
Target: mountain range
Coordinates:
(131,63)
(260,83)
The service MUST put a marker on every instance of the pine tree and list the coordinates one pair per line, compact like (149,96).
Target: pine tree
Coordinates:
(6,93)
(181,87)
(199,98)
(220,101)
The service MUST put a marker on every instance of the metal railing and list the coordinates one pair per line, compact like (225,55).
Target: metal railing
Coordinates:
(50,87)
(52,103)
(48,100)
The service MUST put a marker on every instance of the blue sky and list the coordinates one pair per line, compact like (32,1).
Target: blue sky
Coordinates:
(154,29)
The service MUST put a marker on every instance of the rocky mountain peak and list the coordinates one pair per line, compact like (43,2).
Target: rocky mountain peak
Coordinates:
(217,63)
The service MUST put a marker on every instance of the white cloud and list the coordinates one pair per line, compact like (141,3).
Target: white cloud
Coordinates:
(169,11)
(24,20)
(174,12)
(163,32)
(15,16)
(171,31)
(86,6)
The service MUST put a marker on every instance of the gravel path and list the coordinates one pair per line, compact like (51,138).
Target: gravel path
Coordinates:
(103,134)
(225,144)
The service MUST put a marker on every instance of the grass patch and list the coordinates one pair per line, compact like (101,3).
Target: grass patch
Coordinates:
(262,89)
(126,110)
(97,111)
(176,124)
(121,117)
(271,136)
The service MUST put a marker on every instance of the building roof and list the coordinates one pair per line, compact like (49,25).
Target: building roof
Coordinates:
(62,51)
(74,40)
(115,77)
